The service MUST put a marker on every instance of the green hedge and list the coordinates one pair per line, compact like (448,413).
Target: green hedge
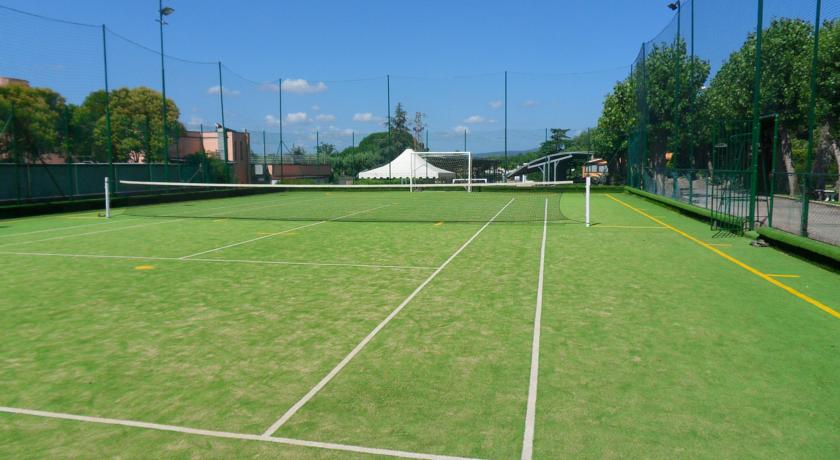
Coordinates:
(826,250)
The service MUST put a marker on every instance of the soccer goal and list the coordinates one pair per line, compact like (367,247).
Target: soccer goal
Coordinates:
(441,168)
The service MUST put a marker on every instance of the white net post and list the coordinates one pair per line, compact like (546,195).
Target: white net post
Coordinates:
(107,199)
(469,172)
(588,187)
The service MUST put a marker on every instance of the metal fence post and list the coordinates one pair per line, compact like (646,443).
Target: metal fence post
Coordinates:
(108,140)
(223,145)
(756,115)
(812,104)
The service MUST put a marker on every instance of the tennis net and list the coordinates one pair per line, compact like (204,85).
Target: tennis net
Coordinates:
(360,203)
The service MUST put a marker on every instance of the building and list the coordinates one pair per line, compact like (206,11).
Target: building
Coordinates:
(238,147)
(9,81)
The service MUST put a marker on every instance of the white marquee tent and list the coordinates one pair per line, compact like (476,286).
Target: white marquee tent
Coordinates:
(400,168)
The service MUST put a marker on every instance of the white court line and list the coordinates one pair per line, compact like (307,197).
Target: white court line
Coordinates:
(74,235)
(318,264)
(122,228)
(55,229)
(249,207)
(280,233)
(227,434)
(324,381)
(234,261)
(531,411)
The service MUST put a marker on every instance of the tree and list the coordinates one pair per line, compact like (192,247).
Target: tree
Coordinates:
(214,168)
(399,122)
(828,106)
(581,142)
(666,111)
(83,122)
(37,119)
(326,150)
(297,150)
(786,46)
(555,143)
(559,136)
(617,121)
(136,124)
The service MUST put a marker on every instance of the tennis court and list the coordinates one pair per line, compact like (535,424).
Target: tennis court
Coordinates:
(348,324)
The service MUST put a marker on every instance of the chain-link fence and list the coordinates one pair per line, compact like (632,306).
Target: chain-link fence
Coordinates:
(736,111)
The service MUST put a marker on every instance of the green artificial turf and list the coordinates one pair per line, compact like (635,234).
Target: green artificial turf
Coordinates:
(652,345)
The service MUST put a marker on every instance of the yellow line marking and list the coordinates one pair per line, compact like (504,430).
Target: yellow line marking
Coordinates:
(720,245)
(220,220)
(439,224)
(735,261)
(777,275)
(627,226)
(144,267)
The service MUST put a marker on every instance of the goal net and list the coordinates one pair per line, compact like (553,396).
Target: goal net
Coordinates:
(441,168)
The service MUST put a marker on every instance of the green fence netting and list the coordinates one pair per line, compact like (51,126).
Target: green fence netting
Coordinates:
(736,110)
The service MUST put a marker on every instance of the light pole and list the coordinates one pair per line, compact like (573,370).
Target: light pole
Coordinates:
(164,11)
(676,145)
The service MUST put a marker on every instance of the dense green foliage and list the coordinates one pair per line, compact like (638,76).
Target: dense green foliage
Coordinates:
(136,121)
(828,107)
(786,51)
(647,107)
(618,118)
(44,123)
(40,116)
(215,169)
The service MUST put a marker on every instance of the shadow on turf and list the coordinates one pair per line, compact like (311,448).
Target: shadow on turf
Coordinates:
(725,234)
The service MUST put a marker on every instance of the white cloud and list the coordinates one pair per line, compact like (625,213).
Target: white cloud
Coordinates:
(325,117)
(316,108)
(477,120)
(365,117)
(496,104)
(529,103)
(301,86)
(297,117)
(269,87)
(227,91)
(271,120)
(461,129)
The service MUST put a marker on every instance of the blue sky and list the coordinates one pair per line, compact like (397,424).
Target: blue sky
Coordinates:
(446,59)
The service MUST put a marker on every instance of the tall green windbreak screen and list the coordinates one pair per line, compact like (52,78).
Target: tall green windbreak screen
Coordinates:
(97,96)
(737,110)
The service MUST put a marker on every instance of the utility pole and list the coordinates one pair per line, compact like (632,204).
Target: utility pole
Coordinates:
(164,11)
